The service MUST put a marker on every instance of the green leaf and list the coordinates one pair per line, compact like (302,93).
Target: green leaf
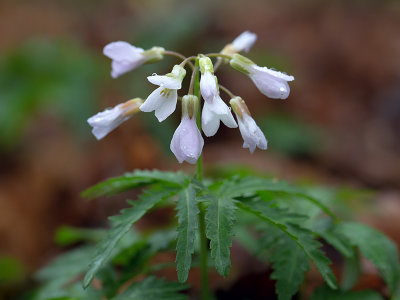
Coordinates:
(250,185)
(152,288)
(67,265)
(376,247)
(330,233)
(133,180)
(67,235)
(351,271)
(288,261)
(302,237)
(220,217)
(123,223)
(188,223)
(11,270)
(326,293)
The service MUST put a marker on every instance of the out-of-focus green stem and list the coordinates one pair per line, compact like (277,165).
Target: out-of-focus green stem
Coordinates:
(205,291)
(199,171)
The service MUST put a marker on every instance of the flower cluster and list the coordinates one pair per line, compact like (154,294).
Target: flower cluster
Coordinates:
(187,141)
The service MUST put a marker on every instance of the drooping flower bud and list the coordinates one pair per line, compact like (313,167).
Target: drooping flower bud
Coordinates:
(106,121)
(252,135)
(271,83)
(187,142)
(208,82)
(126,57)
(163,99)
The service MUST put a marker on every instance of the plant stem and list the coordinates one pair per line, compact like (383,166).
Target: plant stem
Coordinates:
(205,292)
(218,55)
(184,58)
(228,92)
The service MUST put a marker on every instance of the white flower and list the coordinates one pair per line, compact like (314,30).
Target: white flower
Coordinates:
(208,82)
(163,99)
(244,41)
(208,86)
(126,57)
(106,121)
(252,135)
(214,112)
(187,142)
(271,83)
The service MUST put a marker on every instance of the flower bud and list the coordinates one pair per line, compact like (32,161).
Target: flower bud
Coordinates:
(190,104)
(187,142)
(269,82)
(206,65)
(208,82)
(252,135)
(106,121)
(239,107)
(241,63)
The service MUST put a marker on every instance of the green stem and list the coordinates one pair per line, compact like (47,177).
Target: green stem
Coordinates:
(184,58)
(219,55)
(205,291)
(228,92)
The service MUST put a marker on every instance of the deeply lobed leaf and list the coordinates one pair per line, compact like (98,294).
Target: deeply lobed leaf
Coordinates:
(132,180)
(376,247)
(301,236)
(152,288)
(122,224)
(220,217)
(188,223)
(250,185)
(289,262)
(326,293)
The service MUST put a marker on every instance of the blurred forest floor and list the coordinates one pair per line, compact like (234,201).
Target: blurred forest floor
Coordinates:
(340,125)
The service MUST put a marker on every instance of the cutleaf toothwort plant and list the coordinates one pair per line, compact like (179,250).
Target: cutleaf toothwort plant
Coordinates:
(282,224)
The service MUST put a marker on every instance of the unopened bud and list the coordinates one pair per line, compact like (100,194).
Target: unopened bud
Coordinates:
(239,107)
(206,65)
(190,105)
(241,63)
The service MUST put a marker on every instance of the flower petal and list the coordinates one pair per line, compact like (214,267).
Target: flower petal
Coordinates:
(165,81)
(187,142)
(228,120)
(244,41)
(121,67)
(191,141)
(122,51)
(153,101)
(175,144)
(209,120)
(252,135)
(125,57)
(167,106)
(208,86)
(106,121)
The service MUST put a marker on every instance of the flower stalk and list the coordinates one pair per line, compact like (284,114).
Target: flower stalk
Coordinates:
(205,291)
